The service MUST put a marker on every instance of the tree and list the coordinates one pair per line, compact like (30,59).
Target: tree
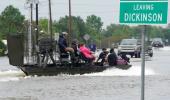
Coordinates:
(78,26)
(118,30)
(43,26)
(94,23)
(166,33)
(94,27)
(11,21)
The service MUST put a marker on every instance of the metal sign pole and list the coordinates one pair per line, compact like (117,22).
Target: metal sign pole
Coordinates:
(143,64)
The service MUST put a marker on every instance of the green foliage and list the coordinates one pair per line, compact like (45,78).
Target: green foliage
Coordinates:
(117,30)
(94,27)
(166,33)
(43,25)
(78,26)
(11,21)
(94,23)
(2,48)
(112,33)
(0,36)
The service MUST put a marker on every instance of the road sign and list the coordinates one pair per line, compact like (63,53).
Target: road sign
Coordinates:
(86,37)
(143,11)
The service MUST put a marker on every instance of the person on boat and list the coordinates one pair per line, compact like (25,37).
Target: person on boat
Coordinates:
(112,58)
(102,56)
(62,43)
(74,45)
(123,56)
(86,53)
(92,47)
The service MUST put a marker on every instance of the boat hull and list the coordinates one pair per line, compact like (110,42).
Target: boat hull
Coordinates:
(66,69)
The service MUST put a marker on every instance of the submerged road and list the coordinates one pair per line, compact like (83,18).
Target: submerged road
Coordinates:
(111,84)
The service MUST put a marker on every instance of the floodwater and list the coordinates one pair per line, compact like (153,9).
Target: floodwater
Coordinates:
(111,84)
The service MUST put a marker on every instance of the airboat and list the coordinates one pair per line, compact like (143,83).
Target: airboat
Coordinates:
(35,56)
(48,61)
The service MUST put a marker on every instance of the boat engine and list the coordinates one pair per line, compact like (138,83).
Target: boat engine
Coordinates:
(46,48)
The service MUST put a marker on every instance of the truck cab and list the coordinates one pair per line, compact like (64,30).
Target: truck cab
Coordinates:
(133,47)
(130,46)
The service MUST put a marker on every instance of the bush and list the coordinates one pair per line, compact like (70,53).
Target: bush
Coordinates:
(2,48)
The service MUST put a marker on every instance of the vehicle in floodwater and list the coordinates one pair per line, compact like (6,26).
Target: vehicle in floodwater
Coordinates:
(36,55)
(157,42)
(48,60)
(132,47)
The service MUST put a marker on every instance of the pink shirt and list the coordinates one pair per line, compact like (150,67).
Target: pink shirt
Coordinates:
(87,53)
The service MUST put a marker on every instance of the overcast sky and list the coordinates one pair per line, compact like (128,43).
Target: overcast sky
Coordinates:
(108,10)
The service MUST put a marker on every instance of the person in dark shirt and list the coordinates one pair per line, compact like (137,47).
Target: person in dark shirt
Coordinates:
(123,56)
(65,50)
(62,43)
(92,47)
(74,45)
(102,56)
(76,58)
(112,58)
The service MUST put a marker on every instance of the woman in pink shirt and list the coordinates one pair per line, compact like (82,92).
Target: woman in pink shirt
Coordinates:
(86,52)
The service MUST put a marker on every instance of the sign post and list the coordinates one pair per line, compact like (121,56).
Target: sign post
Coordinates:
(143,64)
(143,12)
(86,37)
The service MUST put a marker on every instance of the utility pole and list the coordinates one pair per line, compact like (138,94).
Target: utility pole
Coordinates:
(50,21)
(37,32)
(70,24)
(36,28)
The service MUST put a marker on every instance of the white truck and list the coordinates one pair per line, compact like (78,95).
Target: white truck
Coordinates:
(132,47)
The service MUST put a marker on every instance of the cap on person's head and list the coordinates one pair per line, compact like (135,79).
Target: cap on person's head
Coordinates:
(64,33)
